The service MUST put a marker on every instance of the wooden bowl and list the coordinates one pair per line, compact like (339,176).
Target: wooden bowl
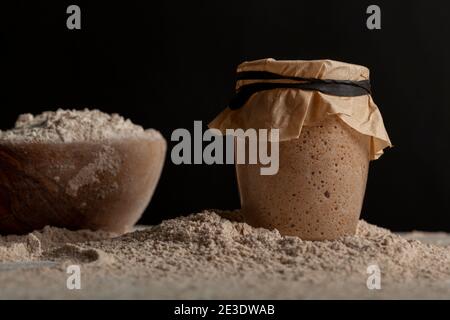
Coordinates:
(79,185)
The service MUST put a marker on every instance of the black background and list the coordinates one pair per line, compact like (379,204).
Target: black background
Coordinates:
(165,64)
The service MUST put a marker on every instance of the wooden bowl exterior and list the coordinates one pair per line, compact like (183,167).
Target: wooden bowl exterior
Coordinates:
(86,185)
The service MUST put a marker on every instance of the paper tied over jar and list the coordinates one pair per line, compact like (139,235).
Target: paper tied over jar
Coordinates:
(303,95)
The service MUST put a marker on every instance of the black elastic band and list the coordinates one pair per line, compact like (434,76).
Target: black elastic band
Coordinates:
(341,88)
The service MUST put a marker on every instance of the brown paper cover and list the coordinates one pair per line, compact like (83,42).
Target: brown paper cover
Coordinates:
(290,109)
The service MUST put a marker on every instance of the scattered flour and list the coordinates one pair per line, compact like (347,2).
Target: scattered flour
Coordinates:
(205,255)
(72,126)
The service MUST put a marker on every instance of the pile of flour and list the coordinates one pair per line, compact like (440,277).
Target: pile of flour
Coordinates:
(205,255)
(71,126)
(33,246)
(207,244)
